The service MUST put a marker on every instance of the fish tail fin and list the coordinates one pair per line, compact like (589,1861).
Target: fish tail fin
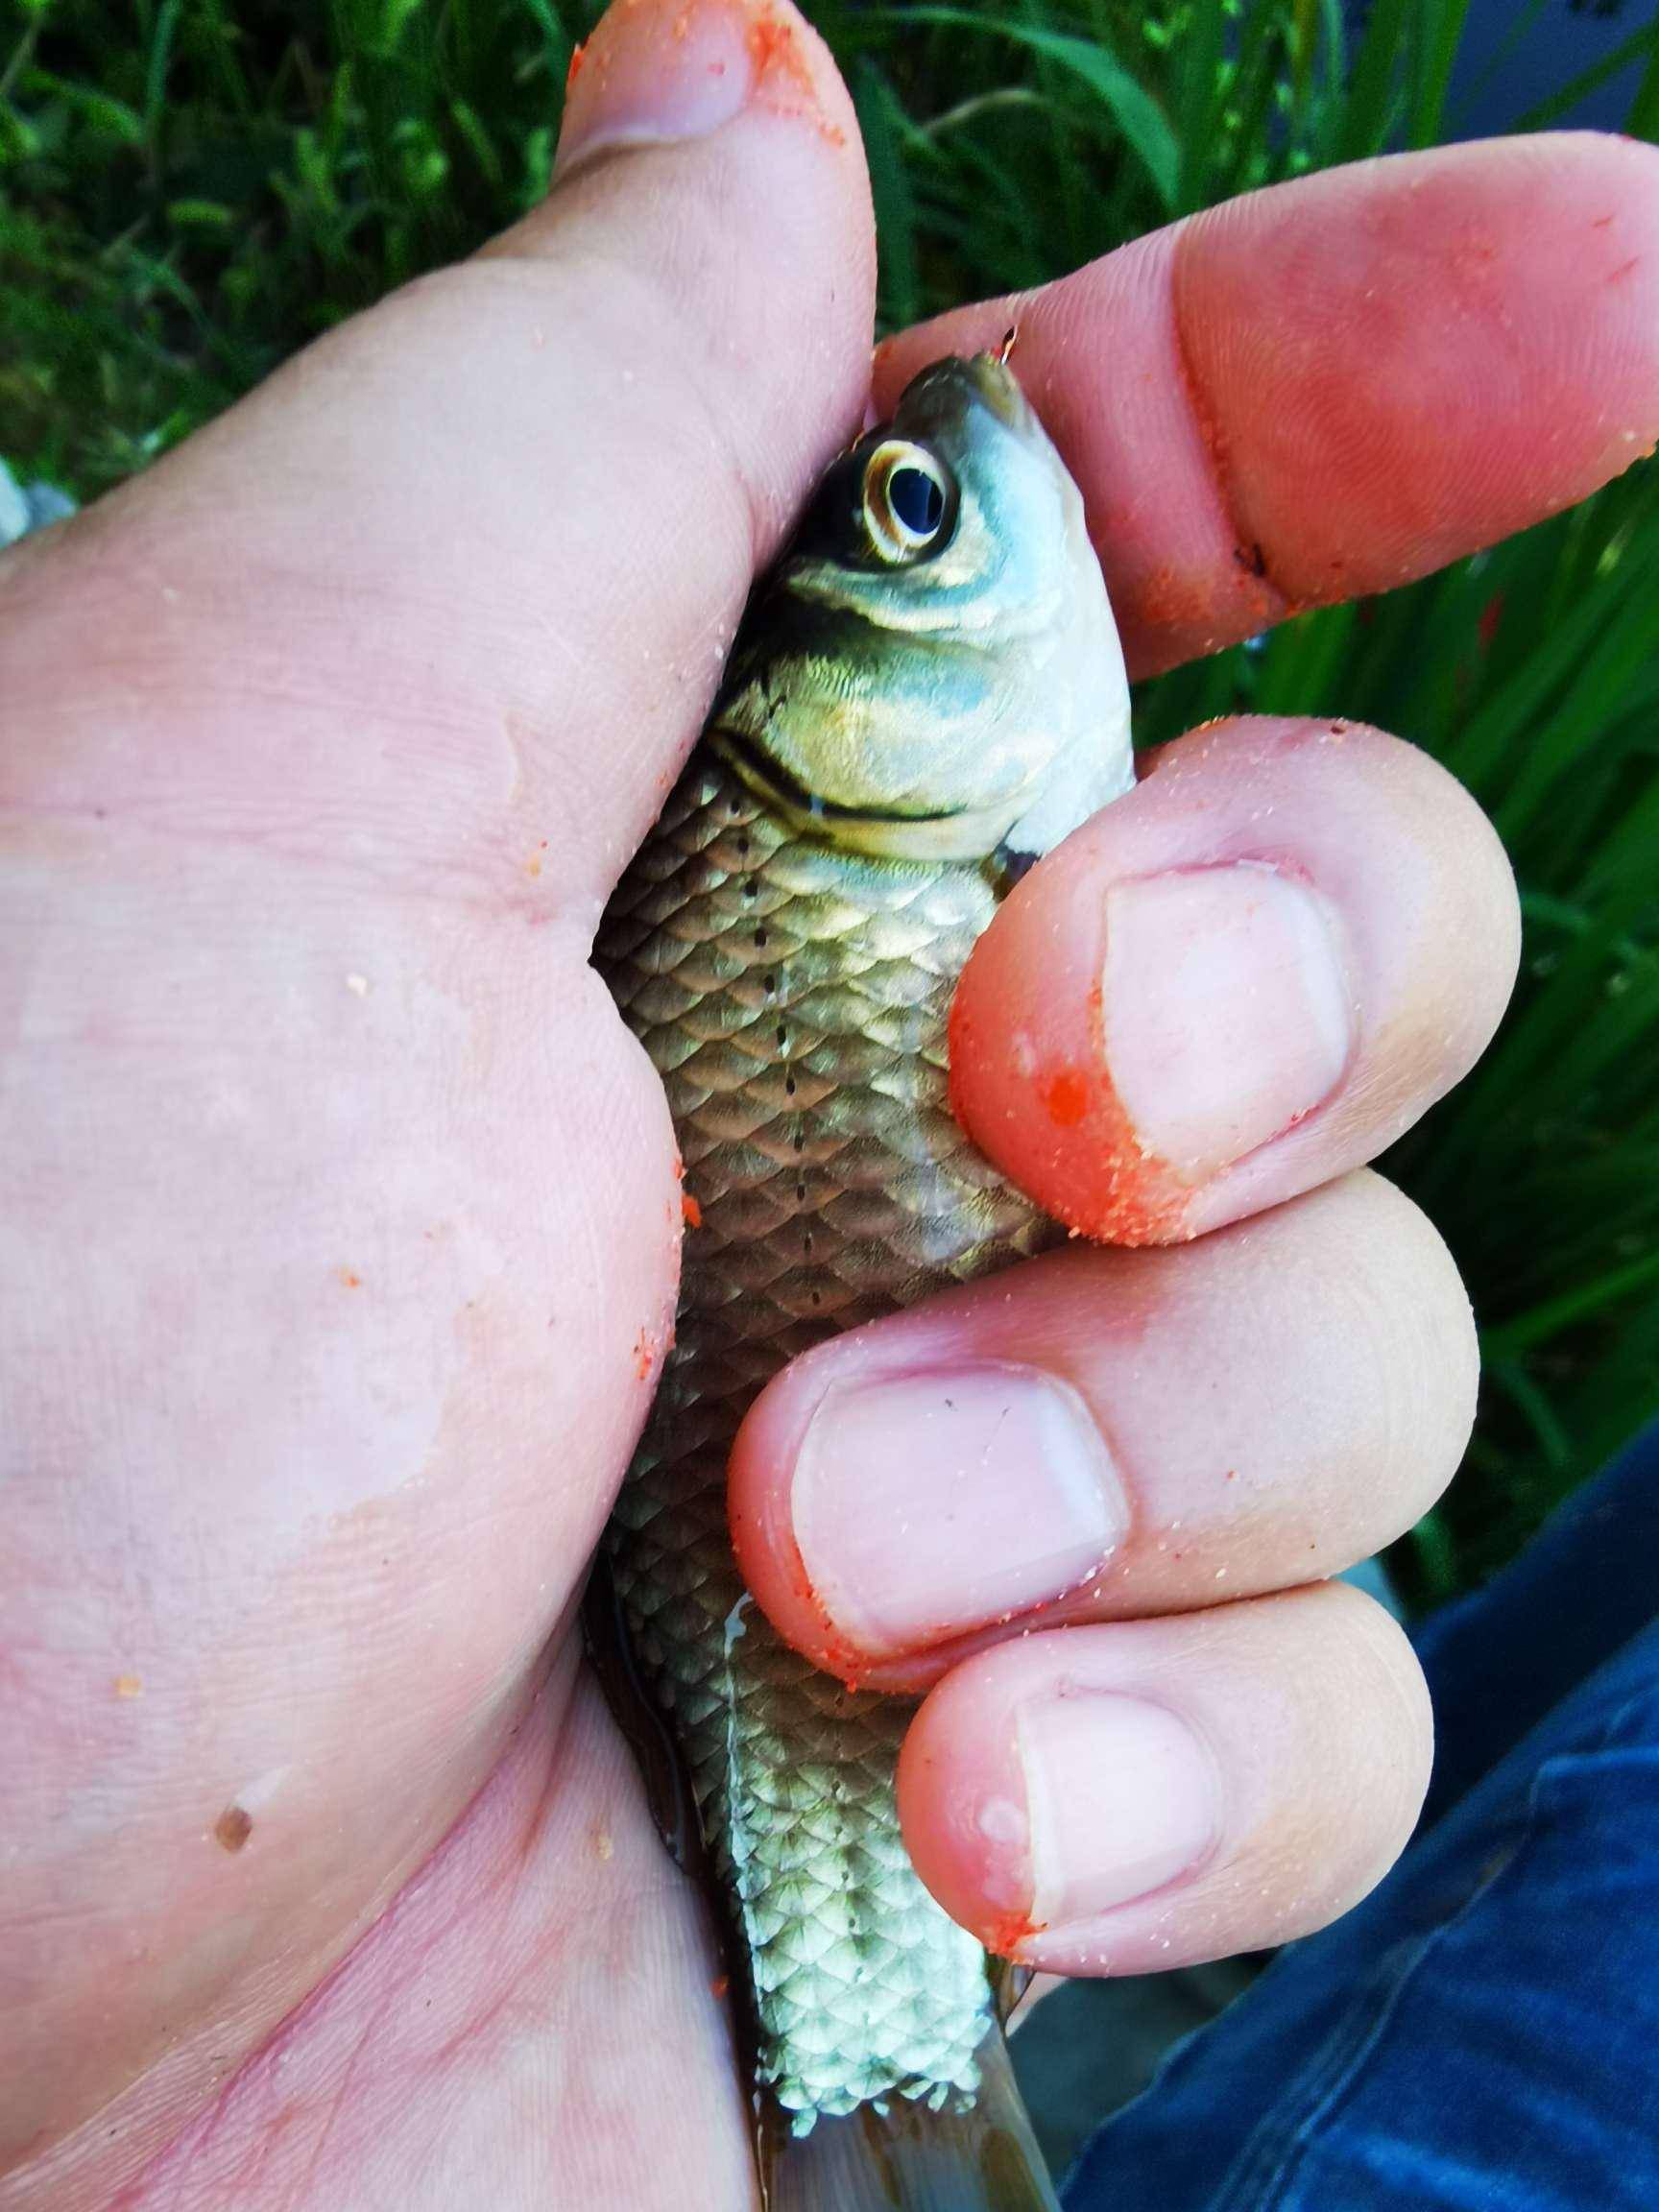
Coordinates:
(902,2157)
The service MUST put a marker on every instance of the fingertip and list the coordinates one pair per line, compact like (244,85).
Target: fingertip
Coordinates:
(660,71)
(1505,293)
(1246,977)
(962,1808)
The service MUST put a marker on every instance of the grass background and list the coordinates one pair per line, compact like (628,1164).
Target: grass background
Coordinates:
(189,189)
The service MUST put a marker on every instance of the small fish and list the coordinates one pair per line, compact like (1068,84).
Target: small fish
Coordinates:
(928,692)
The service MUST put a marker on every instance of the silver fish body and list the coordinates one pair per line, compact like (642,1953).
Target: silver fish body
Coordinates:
(786,952)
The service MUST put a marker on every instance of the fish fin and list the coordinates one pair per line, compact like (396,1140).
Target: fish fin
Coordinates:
(1009,1983)
(902,2157)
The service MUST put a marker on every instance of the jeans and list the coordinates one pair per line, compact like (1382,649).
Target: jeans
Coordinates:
(1481,2034)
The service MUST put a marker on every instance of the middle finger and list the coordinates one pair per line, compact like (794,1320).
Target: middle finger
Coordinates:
(1104,1433)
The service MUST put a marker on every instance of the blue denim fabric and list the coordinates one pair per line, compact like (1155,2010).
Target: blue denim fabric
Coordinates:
(1481,2034)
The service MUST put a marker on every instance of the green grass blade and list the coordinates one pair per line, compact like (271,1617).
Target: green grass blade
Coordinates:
(1440,33)
(1145,127)
(1566,97)
(1373,97)
(1569,1308)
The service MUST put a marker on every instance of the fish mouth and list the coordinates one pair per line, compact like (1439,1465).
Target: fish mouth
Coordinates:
(985,377)
(945,833)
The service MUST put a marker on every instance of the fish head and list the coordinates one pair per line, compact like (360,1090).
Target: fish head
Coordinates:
(932,670)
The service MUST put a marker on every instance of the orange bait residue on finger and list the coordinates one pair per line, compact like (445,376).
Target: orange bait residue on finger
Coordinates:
(578,55)
(783,74)
(1066,1095)
(1061,1132)
(827,1648)
(691,1212)
(1003,1935)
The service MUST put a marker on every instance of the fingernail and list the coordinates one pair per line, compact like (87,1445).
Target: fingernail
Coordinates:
(925,1505)
(1121,1798)
(656,71)
(1227,1010)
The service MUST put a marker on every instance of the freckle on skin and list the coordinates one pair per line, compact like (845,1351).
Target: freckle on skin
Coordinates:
(232,1828)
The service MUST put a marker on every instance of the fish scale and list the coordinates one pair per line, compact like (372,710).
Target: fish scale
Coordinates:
(794,997)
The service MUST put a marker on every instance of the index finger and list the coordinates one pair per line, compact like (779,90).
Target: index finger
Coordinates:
(1334,386)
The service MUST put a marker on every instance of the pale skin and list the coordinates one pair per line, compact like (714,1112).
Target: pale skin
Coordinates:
(342,1219)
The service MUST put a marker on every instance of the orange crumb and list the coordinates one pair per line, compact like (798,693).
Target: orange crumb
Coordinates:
(830,1650)
(773,45)
(578,55)
(129,1685)
(1066,1095)
(781,67)
(720,1985)
(690,1210)
(1004,1934)
(533,866)
(1088,1169)
(350,1278)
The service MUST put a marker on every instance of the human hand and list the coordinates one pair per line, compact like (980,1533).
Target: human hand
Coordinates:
(343,1221)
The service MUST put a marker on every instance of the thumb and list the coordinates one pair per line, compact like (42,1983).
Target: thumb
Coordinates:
(456,584)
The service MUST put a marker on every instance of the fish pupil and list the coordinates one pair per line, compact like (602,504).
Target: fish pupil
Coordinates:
(917,499)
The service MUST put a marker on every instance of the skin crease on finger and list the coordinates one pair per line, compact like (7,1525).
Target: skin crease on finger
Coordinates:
(346,1213)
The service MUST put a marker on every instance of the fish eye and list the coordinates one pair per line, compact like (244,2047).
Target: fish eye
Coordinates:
(907,501)
(917,500)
